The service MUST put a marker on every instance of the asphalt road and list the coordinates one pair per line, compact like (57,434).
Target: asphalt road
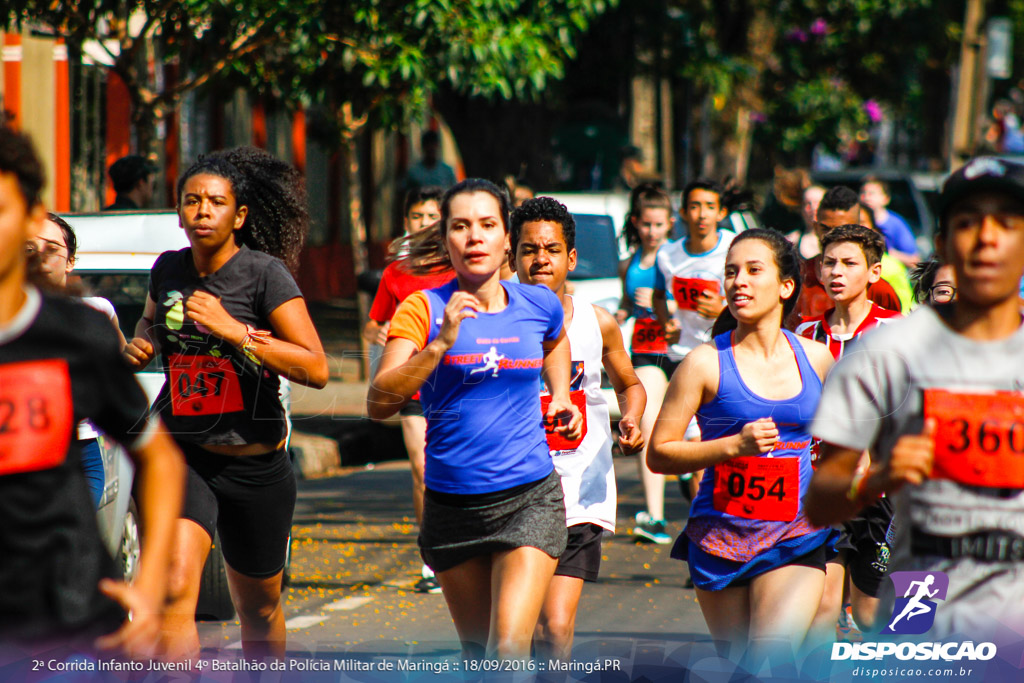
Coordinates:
(355,561)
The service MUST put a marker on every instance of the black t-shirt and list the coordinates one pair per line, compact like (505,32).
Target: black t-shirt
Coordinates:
(215,394)
(60,362)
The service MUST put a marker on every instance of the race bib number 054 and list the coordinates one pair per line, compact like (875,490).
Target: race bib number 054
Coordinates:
(758,488)
(204,385)
(36,415)
(979,438)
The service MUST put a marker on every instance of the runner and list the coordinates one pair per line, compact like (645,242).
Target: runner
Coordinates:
(899,238)
(227,318)
(893,270)
(55,246)
(422,209)
(839,206)
(60,363)
(493,513)
(692,267)
(934,282)
(543,239)
(851,261)
(934,398)
(758,564)
(647,228)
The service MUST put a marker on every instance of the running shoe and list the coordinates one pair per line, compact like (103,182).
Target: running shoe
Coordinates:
(650,530)
(428,584)
(846,629)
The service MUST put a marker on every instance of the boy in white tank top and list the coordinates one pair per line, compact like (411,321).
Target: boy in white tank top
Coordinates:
(543,236)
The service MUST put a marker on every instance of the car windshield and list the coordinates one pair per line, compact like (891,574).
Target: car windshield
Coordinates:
(127,291)
(596,253)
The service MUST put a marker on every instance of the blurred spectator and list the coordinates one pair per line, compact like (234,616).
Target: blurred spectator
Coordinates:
(430,170)
(1004,134)
(132,177)
(632,171)
(899,238)
(518,189)
(782,208)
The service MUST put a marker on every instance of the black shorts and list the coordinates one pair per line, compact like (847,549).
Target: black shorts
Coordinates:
(413,408)
(582,556)
(667,365)
(864,543)
(249,499)
(816,559)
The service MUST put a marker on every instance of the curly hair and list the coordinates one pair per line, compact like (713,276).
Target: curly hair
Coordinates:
(543,209)
(18,156)
(787,260)
(273,191)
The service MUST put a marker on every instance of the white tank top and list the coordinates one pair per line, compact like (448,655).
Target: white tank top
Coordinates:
(588,477)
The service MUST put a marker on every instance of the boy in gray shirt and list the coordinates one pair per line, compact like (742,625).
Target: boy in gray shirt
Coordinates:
(938,400)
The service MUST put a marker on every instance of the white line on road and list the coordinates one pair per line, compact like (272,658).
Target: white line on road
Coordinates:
(305,621)
(347,604)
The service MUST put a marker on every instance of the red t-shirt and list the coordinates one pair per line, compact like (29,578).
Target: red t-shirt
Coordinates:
(814,300)
(397,284)
(818,329)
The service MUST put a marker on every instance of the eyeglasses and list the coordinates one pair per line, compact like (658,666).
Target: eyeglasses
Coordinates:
(48,253)
(942,294)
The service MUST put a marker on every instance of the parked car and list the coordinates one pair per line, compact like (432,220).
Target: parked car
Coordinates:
(115,254)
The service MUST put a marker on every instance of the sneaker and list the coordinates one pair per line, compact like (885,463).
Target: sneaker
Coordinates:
(650,530)
(846,629)
(428,584)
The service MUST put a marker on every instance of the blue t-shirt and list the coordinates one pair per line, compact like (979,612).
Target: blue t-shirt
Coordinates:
(485,429)
(637,277)
(898,234)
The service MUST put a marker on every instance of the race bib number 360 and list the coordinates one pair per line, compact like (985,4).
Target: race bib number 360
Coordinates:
(979,438)
(758,488)
(204,385)
(687,291)
(36,415)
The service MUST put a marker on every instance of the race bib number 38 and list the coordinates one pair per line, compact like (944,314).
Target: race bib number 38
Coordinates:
(204,385)
(979,438)
(758,488)
(36,415)
(687,291)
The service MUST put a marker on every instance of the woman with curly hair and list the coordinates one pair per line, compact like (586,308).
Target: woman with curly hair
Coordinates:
(227,319)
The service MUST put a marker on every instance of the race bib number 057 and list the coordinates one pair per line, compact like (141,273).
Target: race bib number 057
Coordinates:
(204,385)
(758,488)
(36,415)
(979,438)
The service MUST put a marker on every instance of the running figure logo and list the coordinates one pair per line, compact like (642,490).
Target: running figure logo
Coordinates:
(491,360)
(914,612)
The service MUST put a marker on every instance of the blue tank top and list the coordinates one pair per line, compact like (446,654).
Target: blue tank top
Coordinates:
(485,431)
(639,277)
(734,537)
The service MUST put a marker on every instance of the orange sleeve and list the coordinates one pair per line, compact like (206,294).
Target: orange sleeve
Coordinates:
(412,320)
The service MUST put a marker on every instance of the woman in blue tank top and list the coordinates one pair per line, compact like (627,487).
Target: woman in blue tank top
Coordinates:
(757,563)
(493,514)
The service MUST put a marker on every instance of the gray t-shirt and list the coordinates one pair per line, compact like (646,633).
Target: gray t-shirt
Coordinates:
(873,396)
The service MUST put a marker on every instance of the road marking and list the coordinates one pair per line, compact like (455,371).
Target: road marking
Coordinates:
(347,604)
(305,621)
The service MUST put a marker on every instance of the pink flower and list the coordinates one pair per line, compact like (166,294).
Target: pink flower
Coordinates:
(819,27)
(873,110)
(796,35)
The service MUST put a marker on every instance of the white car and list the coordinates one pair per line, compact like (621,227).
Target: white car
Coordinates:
(115,254)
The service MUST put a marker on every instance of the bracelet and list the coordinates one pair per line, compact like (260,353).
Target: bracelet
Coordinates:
(858,486)
(253,337)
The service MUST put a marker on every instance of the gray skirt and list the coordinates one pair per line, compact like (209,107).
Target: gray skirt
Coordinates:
(451,535)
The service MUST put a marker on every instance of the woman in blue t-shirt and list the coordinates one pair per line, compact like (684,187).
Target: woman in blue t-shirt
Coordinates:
(227,319)
(493,519)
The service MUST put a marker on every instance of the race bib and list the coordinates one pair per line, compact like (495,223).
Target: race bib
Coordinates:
(758,488)
(36,415)
(979,438)
(687,291)
(204,385)
(648,336)
(557,441)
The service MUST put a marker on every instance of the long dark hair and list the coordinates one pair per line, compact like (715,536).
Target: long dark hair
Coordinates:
(424,252)
(645,196)
(787,260)
(274,192)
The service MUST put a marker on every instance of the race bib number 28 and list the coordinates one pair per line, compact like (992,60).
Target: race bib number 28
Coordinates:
(36,415)
(758,488)
(979,438)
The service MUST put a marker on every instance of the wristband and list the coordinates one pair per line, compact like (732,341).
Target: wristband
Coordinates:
(253,337)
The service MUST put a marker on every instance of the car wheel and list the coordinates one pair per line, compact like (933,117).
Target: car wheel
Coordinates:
(131,543)
(214,595)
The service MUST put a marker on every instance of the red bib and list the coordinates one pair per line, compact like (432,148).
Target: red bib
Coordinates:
(36,415)
(688,290)
(648,336)
(758,488)
(979,438)
(556,441)
(204,385)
